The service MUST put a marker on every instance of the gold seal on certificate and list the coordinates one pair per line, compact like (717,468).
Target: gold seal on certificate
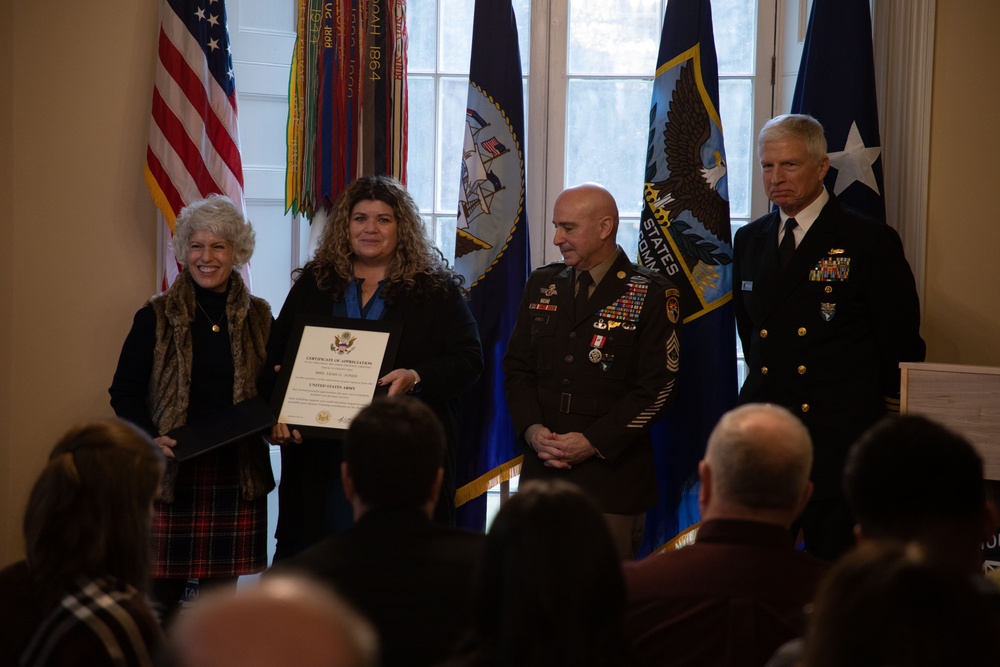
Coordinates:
(330,372)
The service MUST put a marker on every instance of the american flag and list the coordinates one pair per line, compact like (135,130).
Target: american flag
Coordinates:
(494,147)
(194,146)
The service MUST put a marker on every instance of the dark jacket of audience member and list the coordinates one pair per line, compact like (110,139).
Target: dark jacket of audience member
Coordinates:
(909,478)
(888,603)
(411,577)
(78,597)
(738,592)
(550,592)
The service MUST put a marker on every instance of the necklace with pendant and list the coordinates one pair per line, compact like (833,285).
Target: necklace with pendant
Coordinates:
(215,325)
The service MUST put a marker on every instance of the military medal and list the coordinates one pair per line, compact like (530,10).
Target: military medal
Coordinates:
(595,356)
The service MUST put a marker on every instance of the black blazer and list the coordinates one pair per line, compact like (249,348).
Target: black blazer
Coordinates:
(413,579)
(825,336)
(439,340)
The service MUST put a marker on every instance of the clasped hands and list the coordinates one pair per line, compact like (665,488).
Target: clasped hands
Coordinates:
(559,450)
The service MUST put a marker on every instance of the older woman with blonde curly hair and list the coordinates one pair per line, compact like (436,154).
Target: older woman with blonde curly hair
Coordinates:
(193,350)
(375,262)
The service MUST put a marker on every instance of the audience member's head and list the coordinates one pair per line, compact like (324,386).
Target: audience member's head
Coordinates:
(756,466)
(283,620)
(393,455)
(551,590)
(887,603)
(89,512)
(909,478)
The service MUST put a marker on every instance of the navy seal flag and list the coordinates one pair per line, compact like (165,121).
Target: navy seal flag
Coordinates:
(836,86)
(685,234)
(491,249)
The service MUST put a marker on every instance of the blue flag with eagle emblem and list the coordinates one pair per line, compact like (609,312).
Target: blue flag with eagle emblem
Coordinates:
(836,86)
(491,249)
(685,234)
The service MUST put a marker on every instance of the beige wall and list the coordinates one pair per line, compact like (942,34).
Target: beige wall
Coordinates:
(7,512)
(77,238)
(961,292)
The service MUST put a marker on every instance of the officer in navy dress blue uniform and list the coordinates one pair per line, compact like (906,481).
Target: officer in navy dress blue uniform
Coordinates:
(592,362)
(826,309)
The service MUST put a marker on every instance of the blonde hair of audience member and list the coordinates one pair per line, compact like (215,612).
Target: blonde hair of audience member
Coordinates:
(284,620)
(89,512)
(887,603)
(756,466)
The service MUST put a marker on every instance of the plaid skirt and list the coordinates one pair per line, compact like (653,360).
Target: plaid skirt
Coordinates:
(209,530)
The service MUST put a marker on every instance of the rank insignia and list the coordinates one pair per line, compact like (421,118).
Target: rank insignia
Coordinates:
(595,356)
(827,311)
(550,290)
(598,340)
(673,309)
(600,324)
(542,306)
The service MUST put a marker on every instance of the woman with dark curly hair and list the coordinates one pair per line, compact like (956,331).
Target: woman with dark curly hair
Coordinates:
(375,262)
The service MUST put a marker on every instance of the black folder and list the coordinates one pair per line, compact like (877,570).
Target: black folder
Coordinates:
(221,428)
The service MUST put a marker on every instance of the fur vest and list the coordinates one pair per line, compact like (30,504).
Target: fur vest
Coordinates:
(170,385)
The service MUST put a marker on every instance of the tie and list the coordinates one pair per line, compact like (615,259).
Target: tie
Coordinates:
(787,246)
(583,282)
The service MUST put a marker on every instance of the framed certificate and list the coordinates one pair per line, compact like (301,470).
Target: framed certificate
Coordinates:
(330,372)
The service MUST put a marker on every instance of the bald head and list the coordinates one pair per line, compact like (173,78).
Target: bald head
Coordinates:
(283,621)
(757,465)
(585,218)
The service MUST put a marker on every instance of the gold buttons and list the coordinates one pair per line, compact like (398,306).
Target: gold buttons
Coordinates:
(802,331)
(802,370)
(763,370)
(763,333)
(805,407)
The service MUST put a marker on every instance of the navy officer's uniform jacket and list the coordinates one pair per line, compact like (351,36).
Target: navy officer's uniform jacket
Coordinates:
(825,336)
(608,373)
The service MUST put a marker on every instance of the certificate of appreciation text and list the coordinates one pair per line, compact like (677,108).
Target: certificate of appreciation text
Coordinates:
(334,374)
